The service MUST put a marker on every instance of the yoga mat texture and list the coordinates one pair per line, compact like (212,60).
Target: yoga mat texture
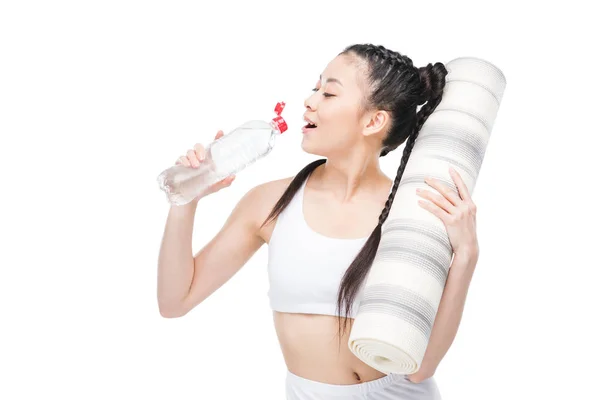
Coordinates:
(401,294)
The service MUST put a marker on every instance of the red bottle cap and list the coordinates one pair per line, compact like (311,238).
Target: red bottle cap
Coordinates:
(279,107)
(280,123)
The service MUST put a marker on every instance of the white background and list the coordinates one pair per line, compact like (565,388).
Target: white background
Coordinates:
(97,98)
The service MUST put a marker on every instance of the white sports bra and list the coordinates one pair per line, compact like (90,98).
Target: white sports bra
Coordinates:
(305,268)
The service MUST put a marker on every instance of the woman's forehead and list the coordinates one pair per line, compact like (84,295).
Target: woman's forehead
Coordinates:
(340,72)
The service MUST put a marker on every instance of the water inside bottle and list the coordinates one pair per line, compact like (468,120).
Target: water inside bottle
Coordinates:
(224,157)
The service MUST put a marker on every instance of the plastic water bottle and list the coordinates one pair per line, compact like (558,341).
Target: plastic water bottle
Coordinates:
(225,156)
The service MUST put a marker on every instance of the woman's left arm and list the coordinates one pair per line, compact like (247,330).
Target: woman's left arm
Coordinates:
(448,315)
(458,213)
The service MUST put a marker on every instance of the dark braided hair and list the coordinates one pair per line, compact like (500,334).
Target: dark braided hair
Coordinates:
(396,86)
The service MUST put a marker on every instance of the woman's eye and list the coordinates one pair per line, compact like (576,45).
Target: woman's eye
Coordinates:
(324,94)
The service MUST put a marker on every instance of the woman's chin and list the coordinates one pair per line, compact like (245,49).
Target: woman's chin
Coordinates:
(307,146)
(311,149)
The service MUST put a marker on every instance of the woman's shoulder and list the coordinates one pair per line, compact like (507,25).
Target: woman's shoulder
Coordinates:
(261,199)
(267,191)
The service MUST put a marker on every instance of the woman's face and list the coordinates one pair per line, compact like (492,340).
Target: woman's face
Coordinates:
(335,108)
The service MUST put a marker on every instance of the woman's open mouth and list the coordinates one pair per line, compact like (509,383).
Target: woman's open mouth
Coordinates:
(309,126)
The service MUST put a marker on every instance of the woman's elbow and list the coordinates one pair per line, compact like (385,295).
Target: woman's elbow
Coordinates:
(171,311)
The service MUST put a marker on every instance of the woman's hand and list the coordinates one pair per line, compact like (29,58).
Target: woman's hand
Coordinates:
(193,158)
(457,213)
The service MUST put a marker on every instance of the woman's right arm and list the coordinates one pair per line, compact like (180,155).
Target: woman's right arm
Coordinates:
(185,280)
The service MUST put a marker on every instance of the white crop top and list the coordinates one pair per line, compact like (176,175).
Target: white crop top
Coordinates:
(305,268)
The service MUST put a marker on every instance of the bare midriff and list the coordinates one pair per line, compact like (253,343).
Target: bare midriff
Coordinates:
(312,349)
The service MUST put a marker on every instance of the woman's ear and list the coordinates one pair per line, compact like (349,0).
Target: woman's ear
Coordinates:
(376,122)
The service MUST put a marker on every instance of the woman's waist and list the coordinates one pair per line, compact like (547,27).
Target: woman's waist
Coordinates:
(313,349)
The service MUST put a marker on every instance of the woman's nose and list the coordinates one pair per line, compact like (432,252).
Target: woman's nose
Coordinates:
(309,103)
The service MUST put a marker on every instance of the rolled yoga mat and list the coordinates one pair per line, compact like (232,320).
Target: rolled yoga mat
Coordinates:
(402,292)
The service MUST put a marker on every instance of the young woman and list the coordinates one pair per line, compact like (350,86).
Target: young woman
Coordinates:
(323,226)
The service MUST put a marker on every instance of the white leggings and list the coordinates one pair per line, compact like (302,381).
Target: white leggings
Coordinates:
(390,387)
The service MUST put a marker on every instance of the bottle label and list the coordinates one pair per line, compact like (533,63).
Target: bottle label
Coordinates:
(280,123)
